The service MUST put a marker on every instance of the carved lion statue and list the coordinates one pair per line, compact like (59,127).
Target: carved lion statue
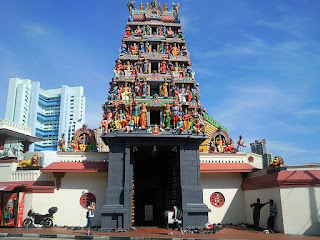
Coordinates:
(32,162)
(277,162)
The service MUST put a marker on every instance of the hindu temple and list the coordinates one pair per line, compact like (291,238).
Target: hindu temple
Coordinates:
(154,124)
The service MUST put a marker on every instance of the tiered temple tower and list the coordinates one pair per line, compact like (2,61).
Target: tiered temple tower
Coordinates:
(154,124)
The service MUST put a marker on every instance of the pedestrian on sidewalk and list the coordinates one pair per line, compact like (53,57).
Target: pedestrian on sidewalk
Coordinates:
(176,217)
(256,213)
(273,213)
(90,216)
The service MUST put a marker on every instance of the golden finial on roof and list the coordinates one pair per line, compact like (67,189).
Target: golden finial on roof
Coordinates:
(147,5)
(160,5)
(141,6)
(165,8)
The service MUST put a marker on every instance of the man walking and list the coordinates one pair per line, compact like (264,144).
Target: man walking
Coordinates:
(256,213)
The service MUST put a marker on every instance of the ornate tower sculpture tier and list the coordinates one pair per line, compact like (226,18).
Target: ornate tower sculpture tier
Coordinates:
(153,115)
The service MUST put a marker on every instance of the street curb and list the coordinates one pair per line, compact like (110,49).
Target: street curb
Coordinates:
(3,234)
(31,235)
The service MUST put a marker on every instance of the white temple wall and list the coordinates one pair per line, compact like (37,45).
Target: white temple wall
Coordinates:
(67,199)
(229,184)
(301,210)
(250,196)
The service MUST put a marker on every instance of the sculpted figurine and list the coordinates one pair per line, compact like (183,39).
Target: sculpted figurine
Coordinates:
(277,162)
(165,7)
(174,50)
(182,94)
(230,147)
(128,31)
(147,46)
(143,116)
(136,114)
(32,162)
(141,6)
(163,67)
(146,66)
(134,49)
(162,48)
(241,144)
(219,144)
(130,125)
(123,48)
(176,8)
(138,31)
(186,121)
(142,47)
(144,88)
(155,130)
(126,92)
(167,47)
(74,145)
(180,34)
(62,143)
(197,127)
(166,117)
(107,118)
(149,30)
(165,89)
(170,33)
(131,7)
(175,113)
(127,69)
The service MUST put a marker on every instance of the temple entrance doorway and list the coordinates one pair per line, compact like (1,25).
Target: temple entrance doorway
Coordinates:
(155,184)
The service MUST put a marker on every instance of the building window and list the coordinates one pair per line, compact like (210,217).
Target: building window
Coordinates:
(86,198)
(217,199)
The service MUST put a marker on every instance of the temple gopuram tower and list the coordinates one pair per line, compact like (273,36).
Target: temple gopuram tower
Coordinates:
(153,124)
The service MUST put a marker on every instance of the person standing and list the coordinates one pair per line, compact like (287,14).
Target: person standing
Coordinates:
(90,214)
(256,212)
(273,213)
(176,221)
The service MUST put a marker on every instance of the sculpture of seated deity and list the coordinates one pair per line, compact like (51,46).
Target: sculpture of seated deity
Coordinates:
(138,31)
(175,50)
(170,33)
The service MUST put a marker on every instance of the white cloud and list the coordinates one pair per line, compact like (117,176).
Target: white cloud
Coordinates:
(34,30)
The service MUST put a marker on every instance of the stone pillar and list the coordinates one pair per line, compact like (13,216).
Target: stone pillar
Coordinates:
(195,212)
(117,210)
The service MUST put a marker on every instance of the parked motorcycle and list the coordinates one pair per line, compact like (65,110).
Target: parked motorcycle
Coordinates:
(37,218)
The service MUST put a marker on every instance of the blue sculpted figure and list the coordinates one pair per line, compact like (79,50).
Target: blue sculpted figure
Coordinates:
(131,7)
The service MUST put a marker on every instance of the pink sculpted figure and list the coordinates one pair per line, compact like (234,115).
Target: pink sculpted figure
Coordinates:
(107,118)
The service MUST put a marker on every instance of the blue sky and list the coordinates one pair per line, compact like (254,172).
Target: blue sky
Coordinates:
(257,62)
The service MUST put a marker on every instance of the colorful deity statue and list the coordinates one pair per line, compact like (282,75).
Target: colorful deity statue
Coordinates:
(107,118)
(118,69)
(83,143)
(197,127)
(166,117)
(130,124)
(170,33)
(229,146)
(146,66)
(127,69)
(163,67)
(180,34)
(186,121)
(74,144)
(128,31)
(176,7)
(180,125)
(138,31)
(62,143)
(162,48)
(148,30)
(143,116)
(174,50)
(134,49)
(136,114)
(144,88)
(155,130)
(142,50)
(126,92)
(241,144)
(165,89)
(182,94)
(131,8)
(219,144)
(123,48)
(175,113)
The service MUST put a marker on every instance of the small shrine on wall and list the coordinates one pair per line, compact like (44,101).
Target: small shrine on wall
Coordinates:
(84,140)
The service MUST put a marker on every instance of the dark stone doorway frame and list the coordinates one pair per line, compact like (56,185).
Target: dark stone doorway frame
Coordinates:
(116,213)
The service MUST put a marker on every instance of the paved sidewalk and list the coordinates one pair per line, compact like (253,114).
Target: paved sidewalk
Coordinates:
(230,232)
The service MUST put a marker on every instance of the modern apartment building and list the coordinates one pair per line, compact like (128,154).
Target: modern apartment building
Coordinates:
(49,113)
